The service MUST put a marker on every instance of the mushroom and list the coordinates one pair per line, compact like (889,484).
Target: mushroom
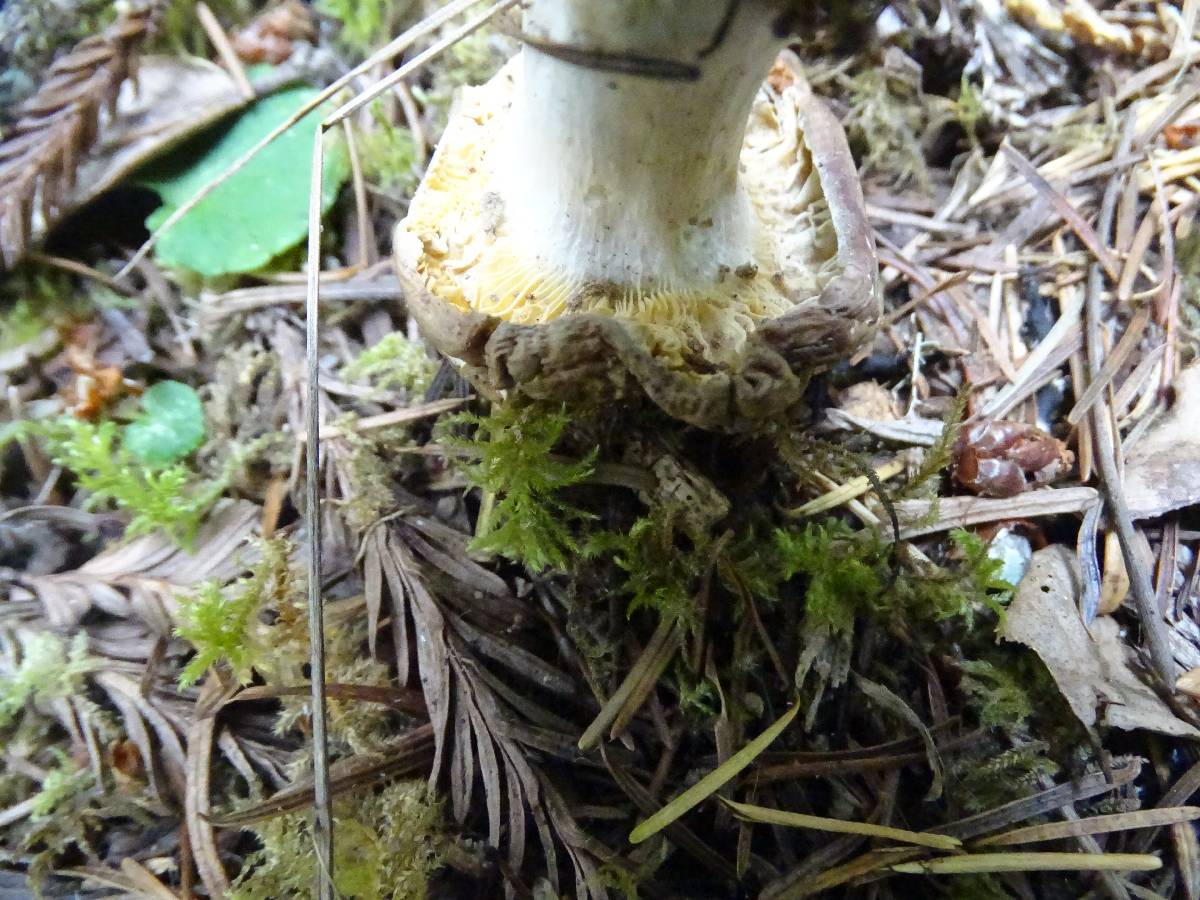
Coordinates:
(626,208)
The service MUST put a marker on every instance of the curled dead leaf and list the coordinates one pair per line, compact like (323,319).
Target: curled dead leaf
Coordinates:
(1000,458)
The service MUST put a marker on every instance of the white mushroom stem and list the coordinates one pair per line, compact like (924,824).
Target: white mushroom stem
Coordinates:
(628,179)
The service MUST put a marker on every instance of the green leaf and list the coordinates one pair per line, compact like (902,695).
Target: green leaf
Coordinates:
(262,210)
(171,425)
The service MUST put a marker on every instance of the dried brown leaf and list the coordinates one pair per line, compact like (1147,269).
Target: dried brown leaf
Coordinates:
(1092,670)
(1162,471)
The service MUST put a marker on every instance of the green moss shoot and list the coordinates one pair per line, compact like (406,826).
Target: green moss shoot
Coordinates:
(170,499)
(223,623)
(49,670)
(392,363)
(510,460)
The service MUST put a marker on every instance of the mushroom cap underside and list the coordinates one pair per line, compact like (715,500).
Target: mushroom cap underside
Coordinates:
(744,360)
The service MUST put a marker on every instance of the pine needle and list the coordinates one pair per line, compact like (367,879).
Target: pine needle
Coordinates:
(766,816)
(713,781)
(976,863)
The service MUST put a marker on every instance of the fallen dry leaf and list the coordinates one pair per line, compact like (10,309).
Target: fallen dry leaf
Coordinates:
(269,37)
(868,400)
(1092,671)
(1162,471)
(1189,683)
(1002,458)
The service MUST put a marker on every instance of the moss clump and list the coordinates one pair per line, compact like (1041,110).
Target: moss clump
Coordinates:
(60,788)
(388,156)
(365,24)
(846,574)
(393,363)
(48,670)
(998,777)
(510,460)
(857,573)
(386,847)
(886,122)
(997,694)
(371,468)
(660,566)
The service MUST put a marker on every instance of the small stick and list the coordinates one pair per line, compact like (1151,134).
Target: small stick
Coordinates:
(322,798)
(1114,498)
(386,84)
(1078,224)
(1112,365)
(220,41)
(323,802)
(77,268)
(362,216)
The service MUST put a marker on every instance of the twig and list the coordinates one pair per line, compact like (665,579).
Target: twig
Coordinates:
(1114,499)
(220,42)
(323,801)
(77,268)
(1078,224)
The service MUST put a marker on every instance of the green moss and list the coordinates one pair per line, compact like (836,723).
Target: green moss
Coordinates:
(846,574)
(968,109)
(997,694)
(660,566)
(223,623)
(985,781)
(388,156)
(171,499)
(510,460)
(473,60)
(21,323)
(70,810)
(855,573)
(372,469)
(885,123)
(180,31)
(60,788)
(938,457)
(386,847)
(393,362)
(365,25)
(49,670)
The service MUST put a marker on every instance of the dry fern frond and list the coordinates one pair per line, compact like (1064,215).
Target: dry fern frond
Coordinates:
(55,127)
(484,730)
